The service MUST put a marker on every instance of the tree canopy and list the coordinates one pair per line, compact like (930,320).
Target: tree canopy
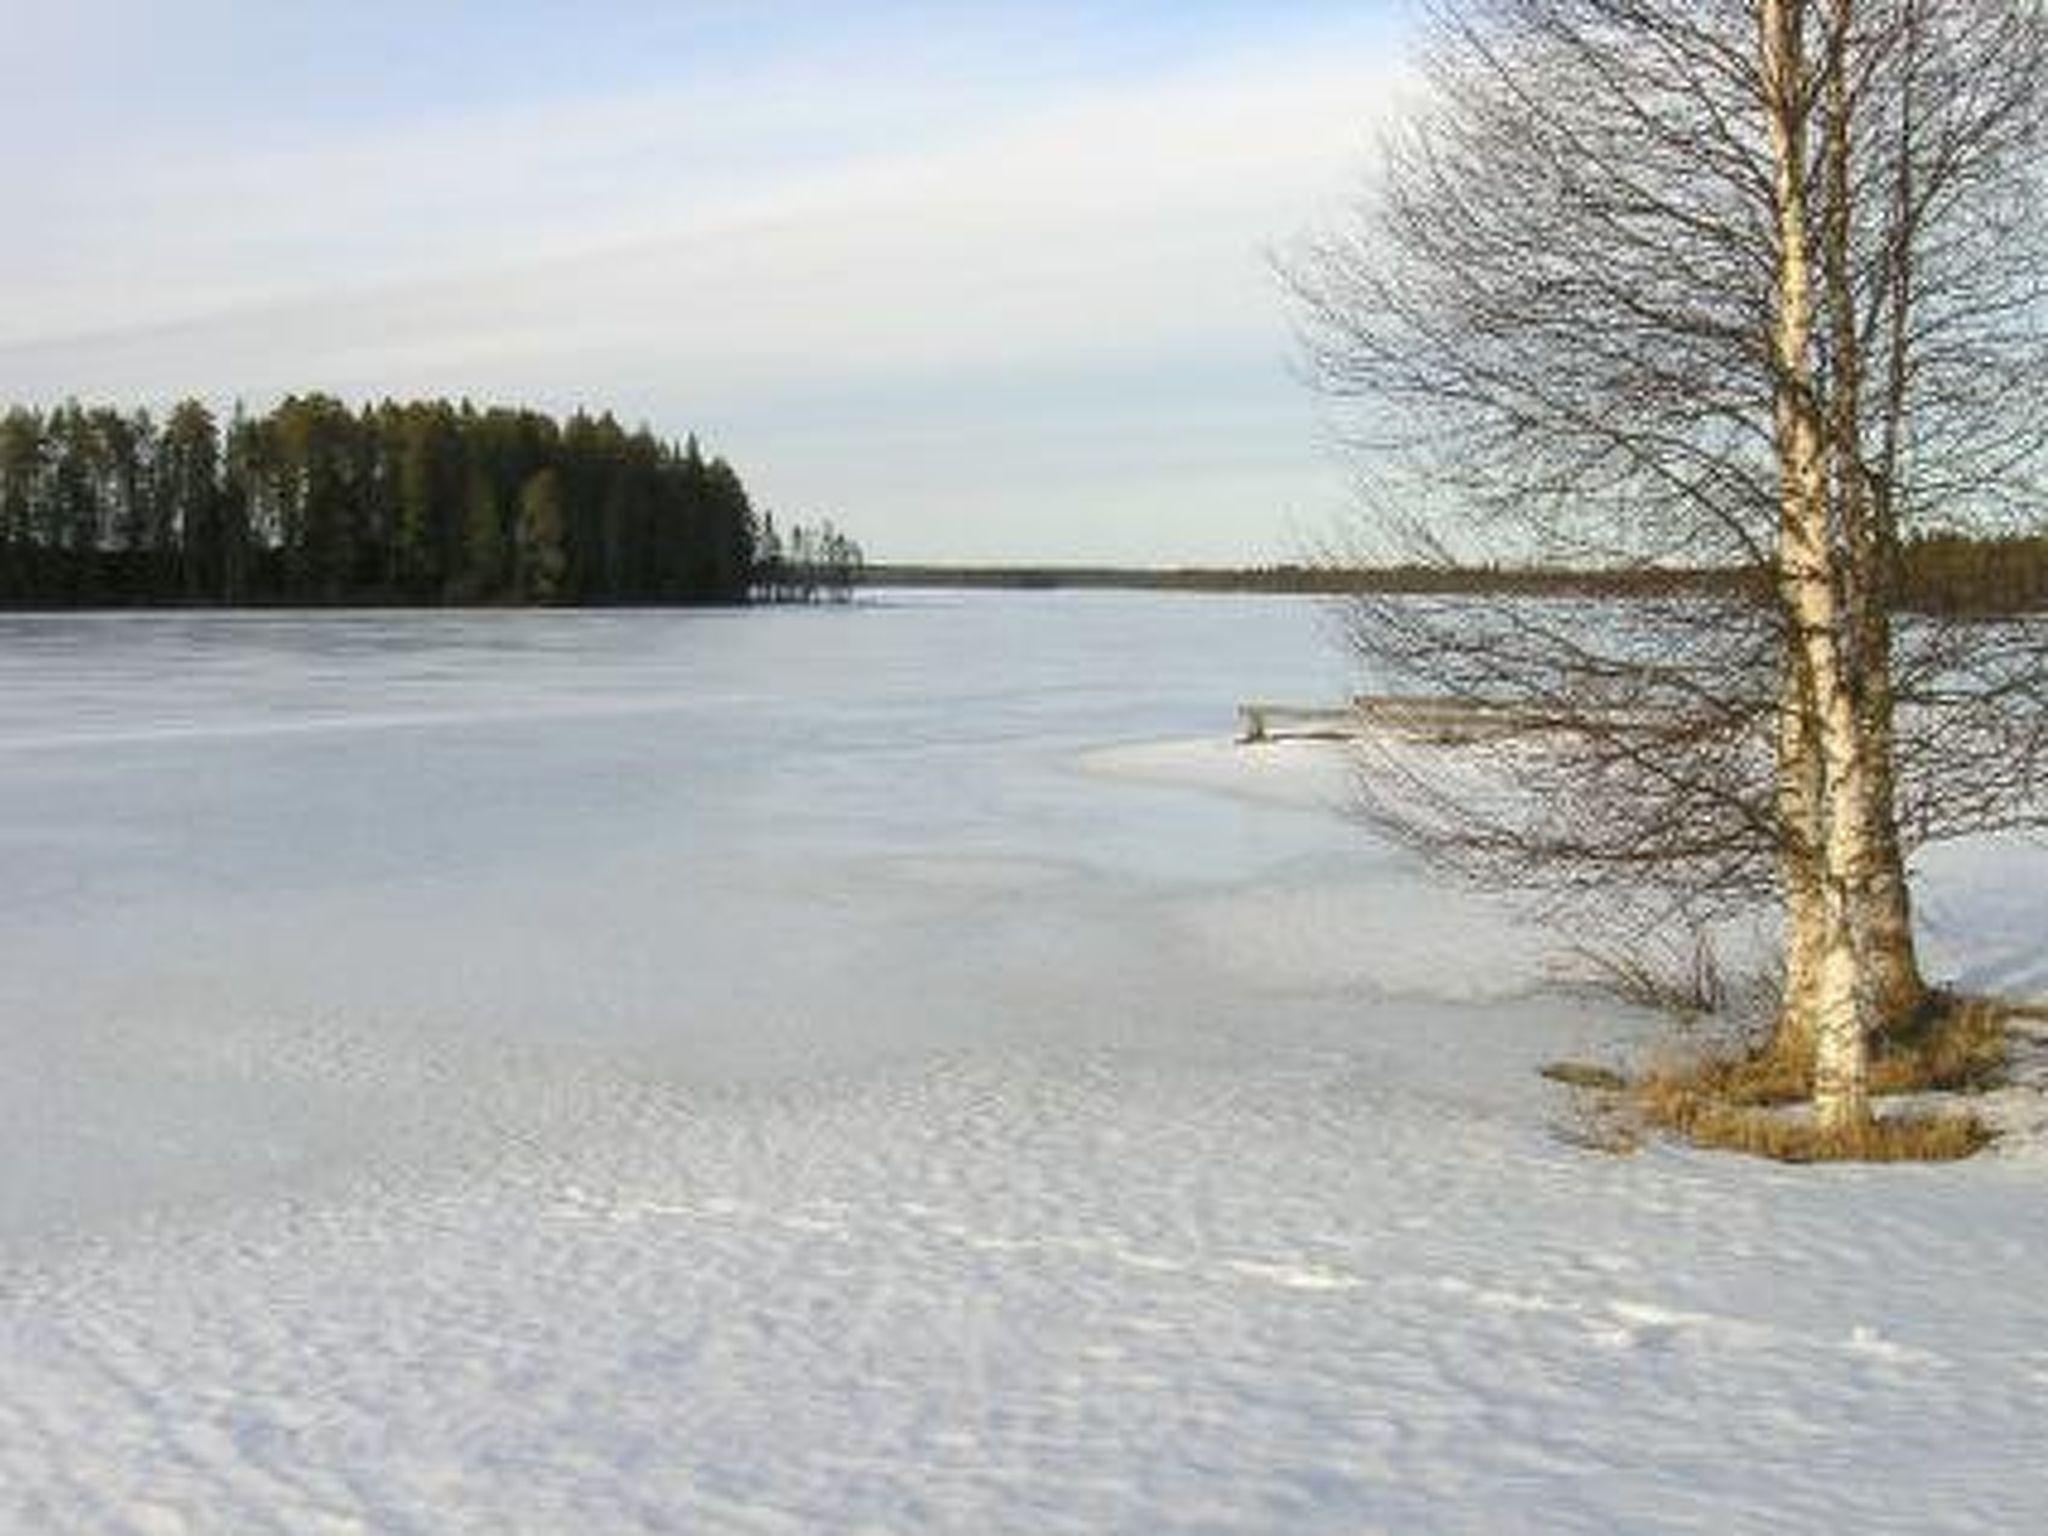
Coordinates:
(1747,286)
(315,502)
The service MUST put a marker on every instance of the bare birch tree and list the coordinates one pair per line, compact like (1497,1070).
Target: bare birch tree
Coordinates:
(1746,291)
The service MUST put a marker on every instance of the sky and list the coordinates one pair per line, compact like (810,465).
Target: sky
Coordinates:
(982,282)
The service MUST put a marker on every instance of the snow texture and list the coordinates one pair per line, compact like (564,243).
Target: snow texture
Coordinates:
(839,1071)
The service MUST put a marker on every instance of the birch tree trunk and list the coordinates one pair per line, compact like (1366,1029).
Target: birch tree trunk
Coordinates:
(1799,792)
(1866,537)
(1902,990)
(1898,987)
(1840,1003)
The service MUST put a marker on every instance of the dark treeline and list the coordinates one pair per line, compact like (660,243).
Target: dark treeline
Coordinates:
(1332,580)
(1946,574)
(1953,575)
(426,502)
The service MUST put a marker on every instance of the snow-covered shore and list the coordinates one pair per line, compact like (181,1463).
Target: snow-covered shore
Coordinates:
(760,1078)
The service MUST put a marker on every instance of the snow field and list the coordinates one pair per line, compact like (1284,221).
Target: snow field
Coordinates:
(897,1107)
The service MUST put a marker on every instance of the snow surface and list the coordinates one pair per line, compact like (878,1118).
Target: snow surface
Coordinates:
(893,1069)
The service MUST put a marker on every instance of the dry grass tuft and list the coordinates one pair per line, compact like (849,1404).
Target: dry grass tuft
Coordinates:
(1741,1106)
(1762,1078)
(1956,1045)
(1583,1074)
(1752,1100)
(1792,1136)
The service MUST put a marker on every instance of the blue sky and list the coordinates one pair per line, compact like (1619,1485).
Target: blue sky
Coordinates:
(981,281)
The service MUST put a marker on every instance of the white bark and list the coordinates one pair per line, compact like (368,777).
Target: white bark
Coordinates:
(1840,1003)
(1799,815)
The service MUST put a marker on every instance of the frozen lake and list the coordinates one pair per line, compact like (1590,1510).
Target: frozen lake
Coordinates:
(891,1067)
(708,846)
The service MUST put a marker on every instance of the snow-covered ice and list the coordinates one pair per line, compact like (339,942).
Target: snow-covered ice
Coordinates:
(890,1069)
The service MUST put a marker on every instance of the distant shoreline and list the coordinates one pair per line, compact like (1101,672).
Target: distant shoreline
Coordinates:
(1296,579)
(1987,578)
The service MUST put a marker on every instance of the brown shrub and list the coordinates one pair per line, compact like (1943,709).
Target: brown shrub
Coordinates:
(1920,1138)
(1751,1100)
(1956,1045)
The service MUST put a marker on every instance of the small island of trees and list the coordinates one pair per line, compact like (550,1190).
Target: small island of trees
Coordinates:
(424,502)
